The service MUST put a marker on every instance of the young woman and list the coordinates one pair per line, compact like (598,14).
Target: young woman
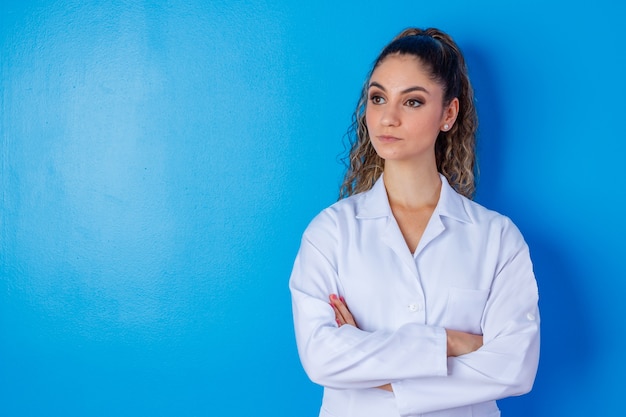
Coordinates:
(408,297)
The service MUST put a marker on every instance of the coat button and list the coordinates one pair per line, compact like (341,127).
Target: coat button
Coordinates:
(530,316)
(414,307)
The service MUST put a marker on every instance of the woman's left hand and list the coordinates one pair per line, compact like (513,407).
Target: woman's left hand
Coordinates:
(342,313)
(343,316)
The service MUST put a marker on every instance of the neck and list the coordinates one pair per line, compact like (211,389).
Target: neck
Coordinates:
(412,186)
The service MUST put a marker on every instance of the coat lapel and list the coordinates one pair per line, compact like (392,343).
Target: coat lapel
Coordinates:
(393,238)
(450,205)
(375,205)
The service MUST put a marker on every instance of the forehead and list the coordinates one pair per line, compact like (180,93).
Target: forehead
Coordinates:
(403,71)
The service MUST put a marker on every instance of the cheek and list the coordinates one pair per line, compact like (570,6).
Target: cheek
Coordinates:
(369,116)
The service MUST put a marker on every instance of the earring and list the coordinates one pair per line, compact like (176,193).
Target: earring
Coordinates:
(446,127)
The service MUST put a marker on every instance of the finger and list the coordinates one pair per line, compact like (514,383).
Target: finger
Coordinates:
(344,312)
(338,317)
(336,305)
(350,319)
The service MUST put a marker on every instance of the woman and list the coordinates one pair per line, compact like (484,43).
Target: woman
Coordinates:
(408,297)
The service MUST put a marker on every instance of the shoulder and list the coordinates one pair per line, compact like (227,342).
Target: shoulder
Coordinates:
(334,217)
(479,213)
(496,224)
(476,219)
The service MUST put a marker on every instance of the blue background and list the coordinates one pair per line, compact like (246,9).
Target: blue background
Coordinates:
(160,161)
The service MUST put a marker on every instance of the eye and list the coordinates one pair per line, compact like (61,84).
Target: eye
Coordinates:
(377,99)
(413,102)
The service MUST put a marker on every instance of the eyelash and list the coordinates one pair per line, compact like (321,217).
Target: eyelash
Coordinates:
(412,102)
(416,101)
(376,99)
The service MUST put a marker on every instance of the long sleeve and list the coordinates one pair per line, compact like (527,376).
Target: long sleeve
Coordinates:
(507,362)
(346,357)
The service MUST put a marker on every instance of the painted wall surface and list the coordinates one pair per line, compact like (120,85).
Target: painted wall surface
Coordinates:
(160,161)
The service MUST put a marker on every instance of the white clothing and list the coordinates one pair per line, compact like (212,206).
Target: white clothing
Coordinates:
(471,272)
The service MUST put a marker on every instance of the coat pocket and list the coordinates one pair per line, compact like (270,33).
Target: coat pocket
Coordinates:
(464,309)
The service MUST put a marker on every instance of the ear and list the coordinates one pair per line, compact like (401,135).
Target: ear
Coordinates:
(450,112)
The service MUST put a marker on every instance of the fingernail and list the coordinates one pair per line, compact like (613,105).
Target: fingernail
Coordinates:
(338,324)
(342,299)
(333,297)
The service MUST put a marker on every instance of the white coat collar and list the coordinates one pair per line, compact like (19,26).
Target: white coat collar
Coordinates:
(374,203)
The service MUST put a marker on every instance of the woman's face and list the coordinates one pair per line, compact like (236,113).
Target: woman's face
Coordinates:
(404,111)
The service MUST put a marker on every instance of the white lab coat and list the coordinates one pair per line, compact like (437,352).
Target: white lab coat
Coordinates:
(471,272)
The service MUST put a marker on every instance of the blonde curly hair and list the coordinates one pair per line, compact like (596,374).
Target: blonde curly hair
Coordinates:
(455,151)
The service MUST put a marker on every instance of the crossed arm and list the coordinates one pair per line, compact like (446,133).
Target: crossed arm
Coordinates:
(458,343)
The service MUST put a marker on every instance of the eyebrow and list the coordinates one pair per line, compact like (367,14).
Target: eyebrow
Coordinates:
(408,90)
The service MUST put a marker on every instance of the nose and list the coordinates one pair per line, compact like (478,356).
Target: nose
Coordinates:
(390,116)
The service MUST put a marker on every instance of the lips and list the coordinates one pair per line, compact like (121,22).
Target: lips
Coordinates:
(387,139)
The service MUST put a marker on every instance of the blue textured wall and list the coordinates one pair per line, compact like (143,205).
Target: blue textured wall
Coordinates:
(160,160)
